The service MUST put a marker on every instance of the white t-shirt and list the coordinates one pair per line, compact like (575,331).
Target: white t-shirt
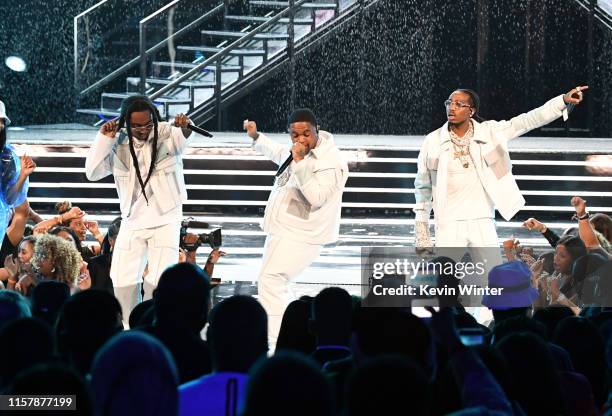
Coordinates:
(467,198)
(146,215)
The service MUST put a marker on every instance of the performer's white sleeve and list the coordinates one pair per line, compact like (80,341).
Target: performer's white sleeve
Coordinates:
(318,186)
(422,187)
(98,160)
(277,153)
(179,140)
(521,124)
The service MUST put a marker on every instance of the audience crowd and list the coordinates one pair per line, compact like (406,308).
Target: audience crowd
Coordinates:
(548,350)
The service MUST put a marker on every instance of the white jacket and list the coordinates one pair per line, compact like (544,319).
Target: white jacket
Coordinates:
(307,207)
(108,156)
(489,153)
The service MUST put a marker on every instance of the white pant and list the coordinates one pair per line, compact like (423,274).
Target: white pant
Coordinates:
(473,235)
(134,249)
(283,260)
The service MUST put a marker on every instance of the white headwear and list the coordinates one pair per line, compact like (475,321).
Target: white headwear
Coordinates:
(7,120)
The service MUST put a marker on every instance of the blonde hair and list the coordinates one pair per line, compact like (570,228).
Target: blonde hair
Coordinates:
(65,258)
(63,206)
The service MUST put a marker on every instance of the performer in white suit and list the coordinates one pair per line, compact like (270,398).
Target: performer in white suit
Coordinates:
(303,210)
(465,167)
(151,204)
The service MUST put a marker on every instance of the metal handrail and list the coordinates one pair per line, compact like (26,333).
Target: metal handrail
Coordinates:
(248,36)
(151,50)
(76,38)
(207,108)
(600,14)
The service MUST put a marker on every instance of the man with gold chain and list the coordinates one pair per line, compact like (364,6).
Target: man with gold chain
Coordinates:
(465,172)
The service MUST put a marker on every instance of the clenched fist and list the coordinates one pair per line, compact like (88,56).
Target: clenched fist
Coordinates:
(298,151)
(109,129)
(251,129)
(182,121)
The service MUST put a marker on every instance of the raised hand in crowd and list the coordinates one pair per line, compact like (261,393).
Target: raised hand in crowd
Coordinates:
(84,279)
(215,255)
(93,227)
(585,229)
(579,205)
(511,246)
(27,165)
(12,265)
(533,224)
(44,226)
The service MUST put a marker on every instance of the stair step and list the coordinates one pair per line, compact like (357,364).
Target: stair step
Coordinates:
(263,19)
(260,36)
(224,68)
(168,100)
(243,52)
(161,81)
(285,4)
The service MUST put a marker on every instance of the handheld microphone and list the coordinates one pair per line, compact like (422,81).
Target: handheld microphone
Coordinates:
(199,130)
(285,164)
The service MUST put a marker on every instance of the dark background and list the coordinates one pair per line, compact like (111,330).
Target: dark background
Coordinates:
(387,73)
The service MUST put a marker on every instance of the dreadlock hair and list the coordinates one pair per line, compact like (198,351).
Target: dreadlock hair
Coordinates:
(475,101)
(137,103)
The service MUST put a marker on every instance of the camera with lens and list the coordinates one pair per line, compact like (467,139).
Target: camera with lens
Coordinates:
(213,239)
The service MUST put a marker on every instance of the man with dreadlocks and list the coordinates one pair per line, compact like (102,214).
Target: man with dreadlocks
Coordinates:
(144,156)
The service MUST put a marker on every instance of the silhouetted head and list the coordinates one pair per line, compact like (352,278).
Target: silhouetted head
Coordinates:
(331,317)
(25,342)
(86,322)
(294,333)
(374,387)
(237,334)
(48,297)
(182,297)
(288,384)
(134,374)
(54,379)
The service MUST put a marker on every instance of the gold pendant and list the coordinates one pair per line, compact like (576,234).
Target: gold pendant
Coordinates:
(466,164)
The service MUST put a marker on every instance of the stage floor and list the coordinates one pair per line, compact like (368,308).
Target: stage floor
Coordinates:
(339,264)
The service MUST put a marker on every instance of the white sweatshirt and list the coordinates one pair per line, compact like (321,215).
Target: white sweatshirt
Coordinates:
(306,206)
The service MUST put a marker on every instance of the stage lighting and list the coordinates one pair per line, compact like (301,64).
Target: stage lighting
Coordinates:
(16,63)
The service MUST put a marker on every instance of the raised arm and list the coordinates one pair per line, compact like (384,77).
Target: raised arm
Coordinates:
(534,224)
(98,162)
(550,111)
(585,229)
(17,191)
(277,153)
